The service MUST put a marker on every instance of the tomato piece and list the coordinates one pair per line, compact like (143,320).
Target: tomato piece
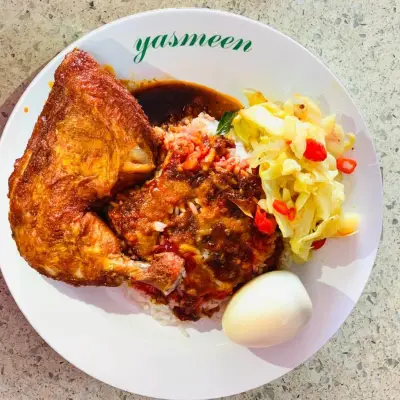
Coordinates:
(264,223)
(204,150)
(318,244)
(191,163)
(280,207)
(346,165)
(259,217)
(268,226)
(315,151)
(292,214)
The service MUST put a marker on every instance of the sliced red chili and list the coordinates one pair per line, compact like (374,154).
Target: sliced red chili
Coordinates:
(318,244)
(280,207)
(346,165)
(292,214)
(264,223)
(315,151)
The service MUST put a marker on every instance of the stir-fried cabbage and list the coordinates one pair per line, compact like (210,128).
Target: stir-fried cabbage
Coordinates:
(276,137)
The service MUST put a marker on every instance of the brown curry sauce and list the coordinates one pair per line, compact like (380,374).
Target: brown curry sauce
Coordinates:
(172,100)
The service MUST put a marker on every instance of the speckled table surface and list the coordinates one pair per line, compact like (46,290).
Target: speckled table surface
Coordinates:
(360,42)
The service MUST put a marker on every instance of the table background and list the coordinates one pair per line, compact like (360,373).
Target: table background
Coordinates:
(360,43)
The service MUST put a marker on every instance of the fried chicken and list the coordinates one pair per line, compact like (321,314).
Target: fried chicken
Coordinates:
(91,140)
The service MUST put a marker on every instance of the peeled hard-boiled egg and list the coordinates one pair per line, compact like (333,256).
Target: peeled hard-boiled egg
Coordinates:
(268,310)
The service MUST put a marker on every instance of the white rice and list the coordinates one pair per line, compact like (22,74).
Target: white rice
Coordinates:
(286,258)
(160,312)
(241,151)
(163,314)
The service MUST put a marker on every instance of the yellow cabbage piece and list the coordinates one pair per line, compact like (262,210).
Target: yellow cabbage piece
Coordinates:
(276,134)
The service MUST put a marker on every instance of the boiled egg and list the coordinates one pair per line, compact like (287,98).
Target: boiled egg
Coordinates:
(268,310)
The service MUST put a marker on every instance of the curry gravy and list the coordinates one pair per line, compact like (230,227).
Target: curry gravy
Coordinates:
(172,100)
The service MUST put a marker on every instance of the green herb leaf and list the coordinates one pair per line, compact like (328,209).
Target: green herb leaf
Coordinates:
(225,123)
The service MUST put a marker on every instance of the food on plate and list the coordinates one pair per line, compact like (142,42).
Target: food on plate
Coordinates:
(200,206)
(300,158)
(269,310)
(91,139)
(182,193)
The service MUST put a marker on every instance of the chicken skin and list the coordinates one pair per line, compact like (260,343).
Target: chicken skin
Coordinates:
(91,140)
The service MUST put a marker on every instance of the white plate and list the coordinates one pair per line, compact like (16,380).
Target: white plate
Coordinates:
(99,331)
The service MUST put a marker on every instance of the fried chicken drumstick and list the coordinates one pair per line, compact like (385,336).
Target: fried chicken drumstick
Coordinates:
(91,140)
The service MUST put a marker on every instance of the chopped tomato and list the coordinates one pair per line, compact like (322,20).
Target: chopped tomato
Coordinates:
(190,164)
(265,223)
(280,207)
(292,214)
(204,150)
(318,244)
(346,165)
(315,151)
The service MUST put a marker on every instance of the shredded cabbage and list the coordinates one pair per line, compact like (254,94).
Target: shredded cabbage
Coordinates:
(276,137)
